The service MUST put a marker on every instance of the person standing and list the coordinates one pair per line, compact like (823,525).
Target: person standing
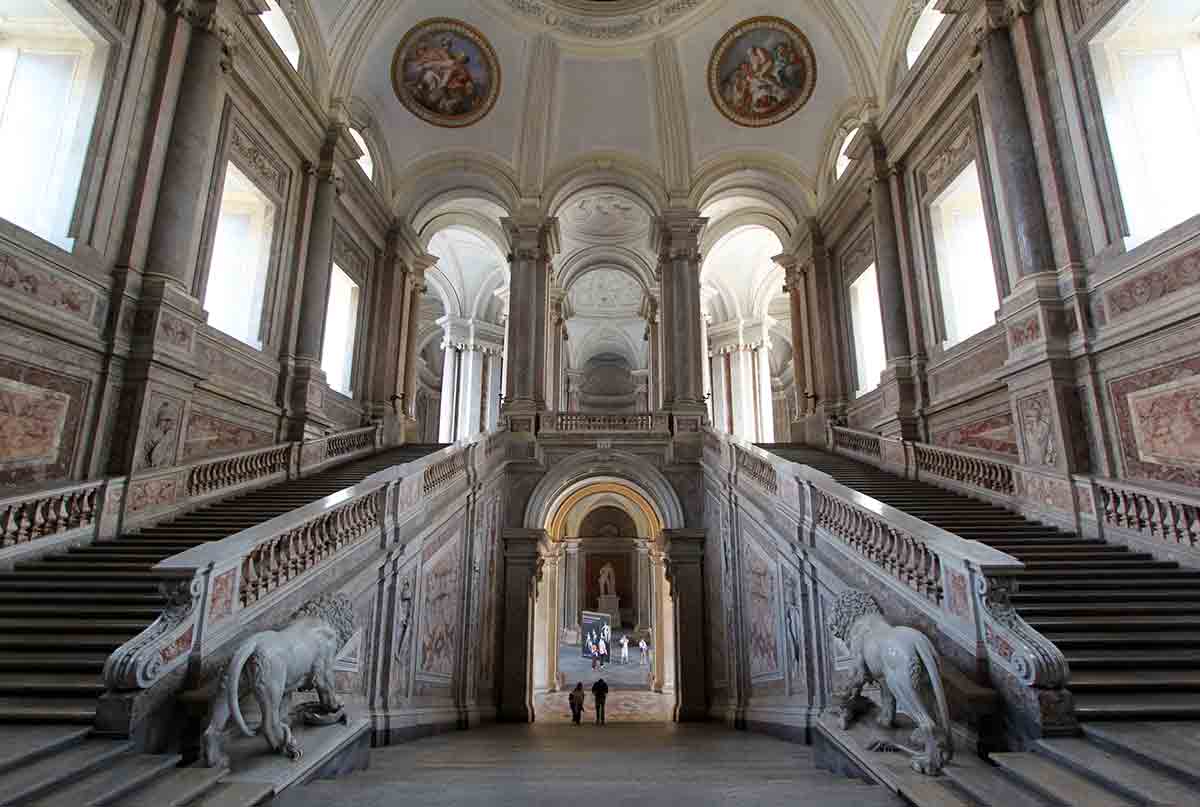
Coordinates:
(600,694)
(595,654)
(643,647)
(603,653)
(624,649)
(575,700)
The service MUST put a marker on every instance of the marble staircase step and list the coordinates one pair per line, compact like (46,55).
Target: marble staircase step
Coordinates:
(70,685)
(88,642)
(235,794)
(1070,641)
(79,610)
(27,782)
(1128,680)
(23,744)
(1060,624)
(1172,747)
(1101,579)
(1117,772)
(123,775)
(1118,608)
(47,710)
(52,662)
(80,575)
(1138,706)
(1045,594)
(69,564)
(174,788)
(1138,564)
(1106,658)
(143,584)
(1056,782)
(987,786)
(114,626)
(1035,556)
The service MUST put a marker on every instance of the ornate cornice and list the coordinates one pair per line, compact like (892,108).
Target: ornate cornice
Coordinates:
(615,22)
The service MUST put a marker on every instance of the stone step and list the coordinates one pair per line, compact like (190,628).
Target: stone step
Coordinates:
(1138,706)
(81,711)
(26,782)
(230,794)
(76,598)
(123,775)
(175,788)
(1037,564)
(1068,641)
(1099,582)
(1061,624)
(1045,593)
(1118,772)
(116,553)
(1082,556)
(1071,575)
(1093,658)
(1171,747)
(988,786)
(1117,608)
(69,685)
(34,587)
(52,662)
(80,611)
(69,575)
(23,744)
(1131,680)
(71,564)
(1056,782)
(53,624)
(102,642)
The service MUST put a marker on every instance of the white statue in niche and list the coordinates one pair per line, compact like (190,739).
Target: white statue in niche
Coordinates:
(608,580)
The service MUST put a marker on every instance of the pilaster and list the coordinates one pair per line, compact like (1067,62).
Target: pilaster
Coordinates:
(678,245)
(522,572)
(533,243)
(683,554)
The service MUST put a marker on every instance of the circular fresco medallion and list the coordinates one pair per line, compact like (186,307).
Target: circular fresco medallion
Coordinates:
(445,72)
(761,71)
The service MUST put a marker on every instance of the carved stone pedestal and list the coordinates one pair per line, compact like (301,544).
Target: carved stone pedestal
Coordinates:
(610,604)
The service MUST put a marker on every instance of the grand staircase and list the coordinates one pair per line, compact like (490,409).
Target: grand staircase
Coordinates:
(1129,626)
(61,617)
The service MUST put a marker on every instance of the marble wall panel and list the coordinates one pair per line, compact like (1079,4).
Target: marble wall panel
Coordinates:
(207,435)
(1177,277)
(41,419)
(161,429)
(489,578)
(1158,419)
(761,593)
(441,599)
(995,434)
(714,576)
(973,369)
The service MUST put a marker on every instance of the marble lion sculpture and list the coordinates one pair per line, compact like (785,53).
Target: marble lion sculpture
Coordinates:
(904,663)
(299,657)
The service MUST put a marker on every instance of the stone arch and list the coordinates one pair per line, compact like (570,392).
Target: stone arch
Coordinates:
(592,258)
(446,176)
(613,170)
(600,466)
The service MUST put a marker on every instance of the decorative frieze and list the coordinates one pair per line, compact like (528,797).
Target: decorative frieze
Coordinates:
(257,158)
(995,434)
(1025,332)
(1158,421)
(1181,274)
(948,161)
(47,290)
(1037,429)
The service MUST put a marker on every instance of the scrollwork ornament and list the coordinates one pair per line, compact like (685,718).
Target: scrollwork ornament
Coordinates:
(1033,658)
(144,659)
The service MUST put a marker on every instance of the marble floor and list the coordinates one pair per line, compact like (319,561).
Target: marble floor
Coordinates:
(587,766)
(575,667)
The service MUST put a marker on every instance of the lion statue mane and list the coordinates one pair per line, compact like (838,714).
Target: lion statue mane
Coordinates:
(904,663)
(276,664)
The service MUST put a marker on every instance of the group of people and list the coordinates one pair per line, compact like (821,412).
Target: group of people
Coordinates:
(599,695)
(599,648)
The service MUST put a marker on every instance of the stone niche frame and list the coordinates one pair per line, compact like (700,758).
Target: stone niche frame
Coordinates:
(243,144)
(354,261)
(955,146)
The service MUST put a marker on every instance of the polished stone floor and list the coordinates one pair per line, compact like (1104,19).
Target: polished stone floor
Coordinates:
(588,766)
(574,667)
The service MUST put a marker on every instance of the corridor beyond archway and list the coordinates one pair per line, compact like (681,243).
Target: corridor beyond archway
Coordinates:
(697,765)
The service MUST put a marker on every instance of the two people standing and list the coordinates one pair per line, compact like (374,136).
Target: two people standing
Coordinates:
(599,694)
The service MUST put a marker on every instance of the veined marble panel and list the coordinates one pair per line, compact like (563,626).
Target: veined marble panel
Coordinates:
(761,587)
(1158,420)
(440,600)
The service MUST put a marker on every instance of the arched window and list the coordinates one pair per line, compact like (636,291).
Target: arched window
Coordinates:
(52,65)
(364,162)
(281,31)
(843,159)
(927,22)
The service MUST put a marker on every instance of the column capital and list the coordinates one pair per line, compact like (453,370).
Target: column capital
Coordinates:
(532,238)
(1003,13)
(677,235)
(202,15)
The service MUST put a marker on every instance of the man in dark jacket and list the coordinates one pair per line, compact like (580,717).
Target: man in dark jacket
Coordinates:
(600,693)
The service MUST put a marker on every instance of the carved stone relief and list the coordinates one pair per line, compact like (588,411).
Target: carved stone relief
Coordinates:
(161,437)
(1037,429)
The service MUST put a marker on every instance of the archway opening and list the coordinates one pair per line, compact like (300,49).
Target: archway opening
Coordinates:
(602,610)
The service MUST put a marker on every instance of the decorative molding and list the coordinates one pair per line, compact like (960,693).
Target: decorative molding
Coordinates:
(628,20)
(253,155)
(1181,274)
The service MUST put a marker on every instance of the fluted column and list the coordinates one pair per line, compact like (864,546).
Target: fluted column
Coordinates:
(533,243)
(174,244)
(1022,206)
(678,242)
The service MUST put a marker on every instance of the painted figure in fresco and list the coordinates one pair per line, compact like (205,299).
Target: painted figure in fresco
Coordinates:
(439,78)
(765,80)
(608,580)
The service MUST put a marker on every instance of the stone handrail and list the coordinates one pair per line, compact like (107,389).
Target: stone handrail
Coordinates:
(231,470)
(597,422)
(965,467)
(46,513)
(215,587)
(339,446)
(857,442)
(1166,516)
(962,585)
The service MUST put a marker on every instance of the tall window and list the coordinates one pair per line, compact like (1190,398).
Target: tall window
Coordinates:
(843,158)
(241,257)
(341,322)
(1147,66)
(927,24)
(281,31)
(51,72)
(364,162)
(965,273)
(866,319)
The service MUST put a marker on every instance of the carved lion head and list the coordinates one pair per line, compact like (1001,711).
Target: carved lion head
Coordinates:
(334,609)
(850,606)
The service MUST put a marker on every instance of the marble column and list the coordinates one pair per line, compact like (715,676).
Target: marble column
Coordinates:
(182,201)
(494,387)
(741,392)
(1014,160)
(683,552)
(448,414)
(678,245)
(720,408)
(394,306)
(795,288)
(706,366)
(643,586)
(765,397)
(533,243)
(830,366)
(653,356)
(470,384)
(554,400)
(416,287)
(522,571)
(571,592)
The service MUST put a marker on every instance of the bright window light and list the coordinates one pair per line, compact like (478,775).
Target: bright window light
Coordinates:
(281,31)
(51,71)
(843,159)
(364,162)
(1147,67)
(241,257)
(965,272)
(341,321)
(866,318)
(927,23)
